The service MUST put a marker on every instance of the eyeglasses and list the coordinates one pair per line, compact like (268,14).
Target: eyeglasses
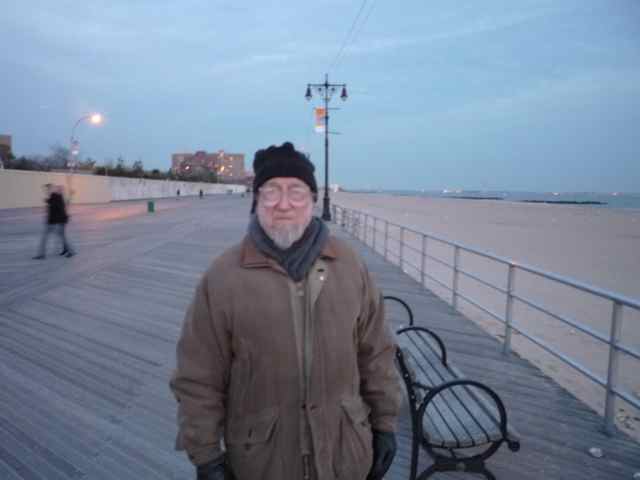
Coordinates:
(297,195)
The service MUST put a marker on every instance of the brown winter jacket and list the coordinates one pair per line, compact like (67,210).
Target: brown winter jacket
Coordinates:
(240,371)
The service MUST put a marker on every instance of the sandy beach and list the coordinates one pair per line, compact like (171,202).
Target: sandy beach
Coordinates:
(596,246)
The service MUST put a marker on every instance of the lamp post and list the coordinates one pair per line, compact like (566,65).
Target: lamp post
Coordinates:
(327,90)
(95,119)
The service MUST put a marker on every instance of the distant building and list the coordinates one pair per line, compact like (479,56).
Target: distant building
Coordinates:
(248,179)
(5,147)
(228,167)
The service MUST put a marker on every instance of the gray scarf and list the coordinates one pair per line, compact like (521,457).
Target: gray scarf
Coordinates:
(298,258)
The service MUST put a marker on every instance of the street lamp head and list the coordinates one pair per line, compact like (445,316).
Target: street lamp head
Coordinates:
(308,94)
(343,95)
(96,118)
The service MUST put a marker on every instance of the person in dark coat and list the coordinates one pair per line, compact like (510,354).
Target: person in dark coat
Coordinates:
(57,220)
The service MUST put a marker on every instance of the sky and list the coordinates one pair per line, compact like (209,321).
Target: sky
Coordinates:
(533,95)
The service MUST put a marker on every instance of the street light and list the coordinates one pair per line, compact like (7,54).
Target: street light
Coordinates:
(327,90)
(93,118)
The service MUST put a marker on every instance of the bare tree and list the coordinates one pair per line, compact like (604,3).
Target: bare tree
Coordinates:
(58,157)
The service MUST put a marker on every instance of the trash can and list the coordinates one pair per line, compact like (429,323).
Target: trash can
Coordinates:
(151,207)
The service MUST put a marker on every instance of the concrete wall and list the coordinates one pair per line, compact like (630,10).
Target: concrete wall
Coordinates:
(20,188)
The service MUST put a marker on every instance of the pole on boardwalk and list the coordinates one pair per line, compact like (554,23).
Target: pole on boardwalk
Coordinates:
(327,90)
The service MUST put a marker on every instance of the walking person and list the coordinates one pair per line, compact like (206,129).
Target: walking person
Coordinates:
(57,219)
(285,356)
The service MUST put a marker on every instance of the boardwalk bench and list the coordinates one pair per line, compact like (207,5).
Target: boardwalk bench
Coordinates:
(458,421)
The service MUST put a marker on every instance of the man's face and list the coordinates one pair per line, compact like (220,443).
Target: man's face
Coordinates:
(284,209)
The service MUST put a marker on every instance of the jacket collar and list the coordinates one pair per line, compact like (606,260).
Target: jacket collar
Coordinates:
(251,257)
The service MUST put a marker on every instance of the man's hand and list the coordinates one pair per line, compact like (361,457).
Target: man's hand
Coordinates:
(214,470)
(384,449)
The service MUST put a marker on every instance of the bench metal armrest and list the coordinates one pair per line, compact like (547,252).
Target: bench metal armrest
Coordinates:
(434,335)
(404,304)
(512,442)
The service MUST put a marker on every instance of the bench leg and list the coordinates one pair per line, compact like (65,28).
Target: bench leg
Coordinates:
(415,452)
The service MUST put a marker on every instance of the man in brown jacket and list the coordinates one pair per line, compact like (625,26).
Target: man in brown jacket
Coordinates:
(285,363)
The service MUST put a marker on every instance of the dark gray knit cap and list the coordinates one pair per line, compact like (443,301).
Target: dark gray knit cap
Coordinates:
(282,161)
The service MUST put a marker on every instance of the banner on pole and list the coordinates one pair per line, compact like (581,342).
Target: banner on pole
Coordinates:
(319,117)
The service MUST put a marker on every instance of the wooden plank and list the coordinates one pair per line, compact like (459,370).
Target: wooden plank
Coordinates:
(75,345)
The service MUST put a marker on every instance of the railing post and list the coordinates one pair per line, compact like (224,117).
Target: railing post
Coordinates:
(612,371)
(401,255)
(386,239)
(454,286)
(353,219)
(508,314)
(375,224)
(423,263)
(366,227)
(353,222)
(366,230)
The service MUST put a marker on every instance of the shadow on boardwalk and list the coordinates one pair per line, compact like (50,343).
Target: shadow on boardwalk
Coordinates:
(87,346)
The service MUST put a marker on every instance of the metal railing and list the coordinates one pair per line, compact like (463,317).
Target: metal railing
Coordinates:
(368,228)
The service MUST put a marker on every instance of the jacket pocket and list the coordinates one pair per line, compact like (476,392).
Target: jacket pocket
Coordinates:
(355,450)
(251,443)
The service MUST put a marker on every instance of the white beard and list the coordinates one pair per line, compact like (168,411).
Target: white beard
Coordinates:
(285,235)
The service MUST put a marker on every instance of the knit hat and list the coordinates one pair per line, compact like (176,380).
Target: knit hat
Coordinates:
(282,161)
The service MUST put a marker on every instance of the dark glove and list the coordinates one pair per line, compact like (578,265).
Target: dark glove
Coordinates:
(214,470)
(384,449)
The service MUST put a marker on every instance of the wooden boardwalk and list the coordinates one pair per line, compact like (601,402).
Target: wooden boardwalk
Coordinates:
(87,346)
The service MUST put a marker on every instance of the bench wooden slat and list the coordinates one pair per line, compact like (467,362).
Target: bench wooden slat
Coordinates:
(483,408)
(486,427)
(487,407)
(468,430)
(462,430)
(441,404)
(475,434)
(454,418)
(435,372)
(435,425)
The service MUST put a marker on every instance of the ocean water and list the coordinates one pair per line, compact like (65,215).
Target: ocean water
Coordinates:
(596,200)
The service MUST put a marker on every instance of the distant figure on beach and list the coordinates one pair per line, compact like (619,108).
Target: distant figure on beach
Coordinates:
(57,219)
(178,193)
(285,356)
(201,193)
